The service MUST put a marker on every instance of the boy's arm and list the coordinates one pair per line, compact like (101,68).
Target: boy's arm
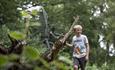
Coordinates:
(87,51)
(69,45)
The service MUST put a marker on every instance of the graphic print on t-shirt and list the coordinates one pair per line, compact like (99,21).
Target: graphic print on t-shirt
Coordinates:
(79,45)
(77,50)
(78,40)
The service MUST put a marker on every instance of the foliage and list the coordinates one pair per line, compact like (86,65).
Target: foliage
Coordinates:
(17,35)
(96,17)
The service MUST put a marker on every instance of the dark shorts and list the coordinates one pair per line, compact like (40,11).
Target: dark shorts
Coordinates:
(79,62)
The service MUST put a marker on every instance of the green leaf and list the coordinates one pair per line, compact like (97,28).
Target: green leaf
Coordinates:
(17,35)
(13,57)
(31,53)
(25,14)
(3,60)
(60,65)
(65,59)
(45,63)
(34,12)
(35,24)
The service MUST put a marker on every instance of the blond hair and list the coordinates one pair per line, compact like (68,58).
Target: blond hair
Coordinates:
(77,26)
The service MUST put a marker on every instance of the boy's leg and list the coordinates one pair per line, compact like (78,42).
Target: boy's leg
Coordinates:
(76,63)
(82,62)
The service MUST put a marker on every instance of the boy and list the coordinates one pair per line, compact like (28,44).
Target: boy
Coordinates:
(80,48)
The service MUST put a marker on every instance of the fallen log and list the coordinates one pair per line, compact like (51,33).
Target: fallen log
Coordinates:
(50,55)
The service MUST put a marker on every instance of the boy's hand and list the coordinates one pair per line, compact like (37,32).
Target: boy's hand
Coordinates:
(87,58)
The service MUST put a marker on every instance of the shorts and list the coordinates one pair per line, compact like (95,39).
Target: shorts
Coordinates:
(79,62)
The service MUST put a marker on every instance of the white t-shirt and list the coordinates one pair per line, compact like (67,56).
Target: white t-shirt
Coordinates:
(79,43)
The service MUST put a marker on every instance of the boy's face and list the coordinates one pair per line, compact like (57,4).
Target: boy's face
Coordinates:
(78,31)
